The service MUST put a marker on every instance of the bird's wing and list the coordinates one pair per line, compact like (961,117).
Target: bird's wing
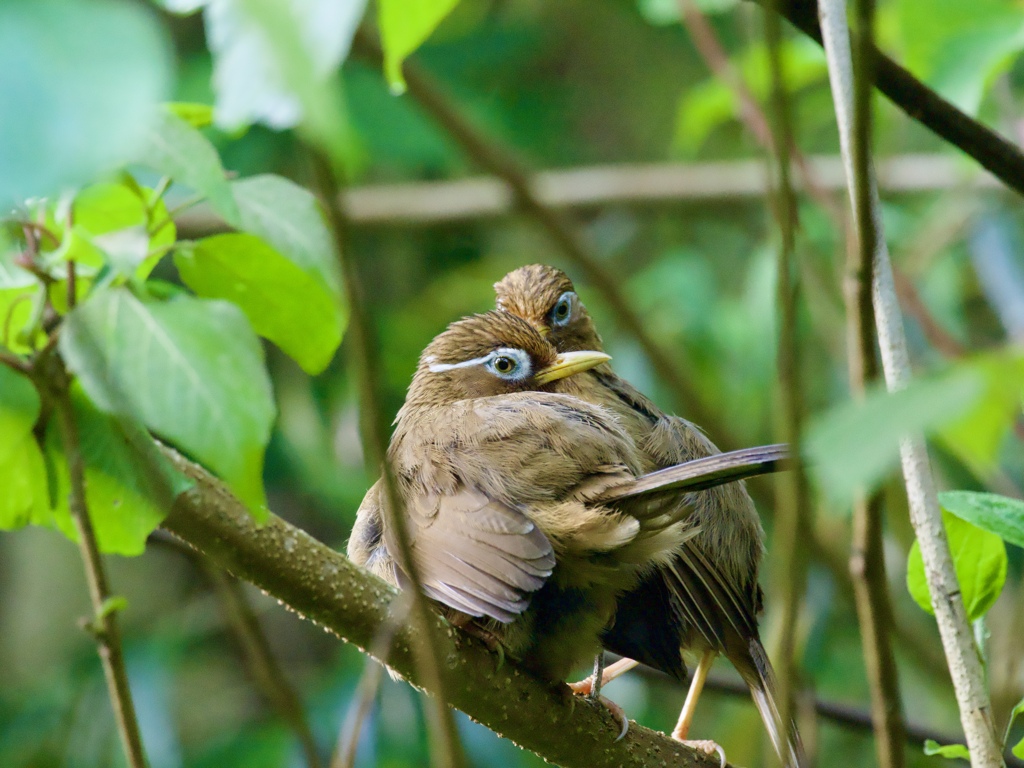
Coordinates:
(476,555)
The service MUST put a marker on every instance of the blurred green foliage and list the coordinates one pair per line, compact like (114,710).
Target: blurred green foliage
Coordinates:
(564,84)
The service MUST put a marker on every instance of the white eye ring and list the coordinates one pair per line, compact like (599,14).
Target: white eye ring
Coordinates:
(509,364)
(562,311)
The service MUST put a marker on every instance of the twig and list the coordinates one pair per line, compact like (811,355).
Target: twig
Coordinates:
(957,639)
(104,625)
(449,748)
(792,514)
(366,692)
(867,549)
(921,103)
(260,659)
(496,159)
(325,587)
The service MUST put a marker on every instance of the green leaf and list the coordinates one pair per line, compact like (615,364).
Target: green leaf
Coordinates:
(855,444)
(121,492)
(22,474)
(87,78)
(404,26)
(291,220)
(1018,749)
(191,370)
(284,303)
(980,561)
(951,751)
(176,149)
(991,512)
(196,115)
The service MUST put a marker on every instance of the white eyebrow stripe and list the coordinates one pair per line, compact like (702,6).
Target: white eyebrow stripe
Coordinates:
(440,367)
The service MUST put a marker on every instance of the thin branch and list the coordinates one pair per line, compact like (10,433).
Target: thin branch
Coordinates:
(103,625)
(792,513)
(325,587)
(957,639)
(366,692)
(993,152)
(867,548)
(365,355)
(495,158)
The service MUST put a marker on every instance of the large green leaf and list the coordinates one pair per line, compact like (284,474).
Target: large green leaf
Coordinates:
(290,219)
(980,561)
(958,47)
(125,478)
(22,474)
(284,303)
(176,149)
(86,79)
(191,370)
(997,514)
(404,26)
(856,444)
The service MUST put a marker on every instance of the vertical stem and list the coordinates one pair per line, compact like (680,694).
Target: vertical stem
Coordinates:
(867,555)
(792,518)
(104,625)
(925,515)
(448,749)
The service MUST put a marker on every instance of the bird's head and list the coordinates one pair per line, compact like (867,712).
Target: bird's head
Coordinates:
(546,299)
(495,353)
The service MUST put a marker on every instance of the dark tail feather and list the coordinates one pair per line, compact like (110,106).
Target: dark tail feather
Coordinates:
(707,472)
(761,680)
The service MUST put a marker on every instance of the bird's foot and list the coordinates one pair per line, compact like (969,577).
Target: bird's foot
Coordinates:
(487,638)
(705,745)
(584,687)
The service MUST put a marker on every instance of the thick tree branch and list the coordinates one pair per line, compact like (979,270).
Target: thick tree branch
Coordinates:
(957,638)
(924,105)
(325,587)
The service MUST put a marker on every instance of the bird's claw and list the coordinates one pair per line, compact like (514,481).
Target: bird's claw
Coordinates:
(584,687)
(707,746)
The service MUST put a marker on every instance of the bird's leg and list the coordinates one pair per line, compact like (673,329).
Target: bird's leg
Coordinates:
(612,671)
(682,728)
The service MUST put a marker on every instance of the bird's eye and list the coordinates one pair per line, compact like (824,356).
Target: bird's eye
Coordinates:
(562,311)
(504,364)
(509,364)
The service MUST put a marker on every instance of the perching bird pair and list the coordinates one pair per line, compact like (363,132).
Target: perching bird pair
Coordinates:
(538,517)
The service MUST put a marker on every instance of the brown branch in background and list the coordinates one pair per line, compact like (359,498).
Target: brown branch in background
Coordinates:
(792,513)
(447,747)
(103,625)
(993,152)
(594,186)
(867,548)
(327,588)
(496,159)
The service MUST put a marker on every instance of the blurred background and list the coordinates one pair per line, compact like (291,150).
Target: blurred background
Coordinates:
(571,86)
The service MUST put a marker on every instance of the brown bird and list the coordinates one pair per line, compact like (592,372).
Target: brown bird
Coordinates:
(526,516)
(705,601)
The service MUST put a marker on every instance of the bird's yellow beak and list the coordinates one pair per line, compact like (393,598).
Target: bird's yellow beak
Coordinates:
(568,363)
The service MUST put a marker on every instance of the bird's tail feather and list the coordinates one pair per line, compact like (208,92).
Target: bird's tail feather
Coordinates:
(761,680)
(702,473)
